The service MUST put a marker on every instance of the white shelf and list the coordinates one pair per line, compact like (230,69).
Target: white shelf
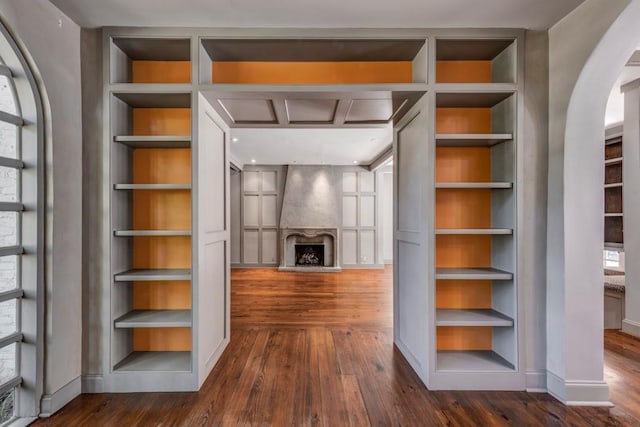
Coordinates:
(155,319)
(472,274)
(133,233)
(165,361)
(614,161)
(613,245)
(152,186)
(612,215)
(471,140)
(474,185)
(474,231)
(153,275)
(486,317)
(151,141)
(616,185)
(472,361)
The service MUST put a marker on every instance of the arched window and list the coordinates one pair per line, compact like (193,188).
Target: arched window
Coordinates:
(21,234)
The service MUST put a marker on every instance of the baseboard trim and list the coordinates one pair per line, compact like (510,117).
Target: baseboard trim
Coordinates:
(578,393)
(52,403)
(92,383)
(631,327)
(536,381)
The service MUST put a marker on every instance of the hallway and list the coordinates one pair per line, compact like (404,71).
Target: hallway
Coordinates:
(316,349)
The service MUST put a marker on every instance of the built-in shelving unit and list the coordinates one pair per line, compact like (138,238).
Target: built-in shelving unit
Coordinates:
(613,194)
(150,110)
(476,310)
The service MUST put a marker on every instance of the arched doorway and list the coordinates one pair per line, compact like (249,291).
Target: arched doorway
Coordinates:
(575,220)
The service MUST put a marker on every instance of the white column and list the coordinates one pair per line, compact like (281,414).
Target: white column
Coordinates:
(631,204)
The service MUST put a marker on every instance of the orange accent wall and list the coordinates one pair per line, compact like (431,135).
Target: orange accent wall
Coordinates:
(463,71)
(347,72)
(162,210)
(463,208)
(464,338)
(162,121)
(465,294)
(162,339)
(161,71)
(463,120)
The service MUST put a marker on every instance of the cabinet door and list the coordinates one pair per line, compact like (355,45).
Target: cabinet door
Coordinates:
(412,305)
(211,273)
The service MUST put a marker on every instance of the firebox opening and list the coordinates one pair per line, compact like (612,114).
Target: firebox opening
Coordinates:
(309,255)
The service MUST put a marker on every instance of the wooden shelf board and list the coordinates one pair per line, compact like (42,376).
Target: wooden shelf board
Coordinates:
(471,99)
(614,185)
(152,186)
(471,140)
(472,274)
(150,141)
(610,215)
(153,275)
(613,245)
(131,233)
(155,319)
(614,161)
(474,185)
(474,231)
(475,318)
(156,361)
(471,361)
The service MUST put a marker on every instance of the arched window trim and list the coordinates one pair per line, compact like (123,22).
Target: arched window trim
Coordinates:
(30,160)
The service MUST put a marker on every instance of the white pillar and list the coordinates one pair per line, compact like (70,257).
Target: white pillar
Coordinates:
(631,205)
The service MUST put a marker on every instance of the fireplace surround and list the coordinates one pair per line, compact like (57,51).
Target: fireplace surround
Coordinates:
(296,242)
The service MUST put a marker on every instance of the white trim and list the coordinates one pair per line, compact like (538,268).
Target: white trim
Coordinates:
(20,422)
(52,403)
(536,381)
(92,383)
(578,393)
(631,327)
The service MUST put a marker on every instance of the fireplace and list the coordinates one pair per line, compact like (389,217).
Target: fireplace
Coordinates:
(309,250)
(309,255)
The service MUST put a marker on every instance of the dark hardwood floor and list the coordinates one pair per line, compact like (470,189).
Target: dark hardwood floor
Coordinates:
(316,349)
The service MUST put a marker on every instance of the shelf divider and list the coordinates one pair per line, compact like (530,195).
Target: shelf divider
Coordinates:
(471,361)
(152,186)
(132,233)
(160,361)
(471,140)
(475,185)
(165,274)
(474,231)
(152,141)
(472,274)
(155,319)
(483,317)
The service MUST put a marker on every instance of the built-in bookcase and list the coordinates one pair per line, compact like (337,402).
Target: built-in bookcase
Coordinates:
(476,306)
(613,201)
(151,218)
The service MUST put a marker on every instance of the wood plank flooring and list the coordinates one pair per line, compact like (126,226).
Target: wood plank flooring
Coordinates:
(316,350)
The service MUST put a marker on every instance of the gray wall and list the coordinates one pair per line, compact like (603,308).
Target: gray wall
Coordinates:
(387,214)
(92,206)
(361,244)
(256,198)
(534,237)
(52,41)
(359,206)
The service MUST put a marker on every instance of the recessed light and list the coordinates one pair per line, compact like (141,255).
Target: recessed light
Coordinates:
(234,140)
(355,162)
(253,160)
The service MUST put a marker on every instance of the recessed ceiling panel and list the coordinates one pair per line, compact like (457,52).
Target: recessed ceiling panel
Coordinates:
(311,110)
(369,110)
(249,111)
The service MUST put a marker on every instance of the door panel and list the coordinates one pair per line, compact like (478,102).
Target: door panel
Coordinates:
(413,271)
(211,234)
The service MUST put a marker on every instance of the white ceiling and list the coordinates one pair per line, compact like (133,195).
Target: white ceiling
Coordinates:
(333,146)
(533,14)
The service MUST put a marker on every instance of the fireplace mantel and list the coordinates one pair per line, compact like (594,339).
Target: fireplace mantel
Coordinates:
(327,236)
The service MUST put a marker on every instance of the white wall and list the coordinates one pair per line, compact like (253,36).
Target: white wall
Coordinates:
(575,204)
(52,41)
(615,104)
